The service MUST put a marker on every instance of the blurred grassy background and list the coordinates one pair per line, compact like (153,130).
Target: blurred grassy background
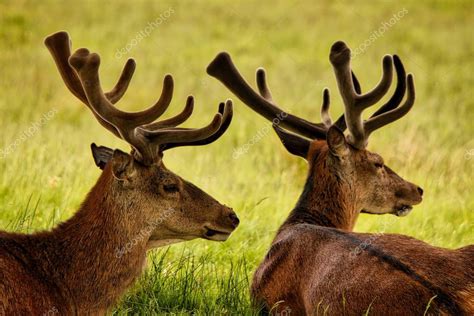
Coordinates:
(46,175)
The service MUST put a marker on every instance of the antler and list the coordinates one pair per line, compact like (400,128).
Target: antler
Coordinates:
(149,139)
(355,103)
(225,71)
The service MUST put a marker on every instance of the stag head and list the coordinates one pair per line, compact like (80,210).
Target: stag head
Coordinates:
(373,186)
(171,208)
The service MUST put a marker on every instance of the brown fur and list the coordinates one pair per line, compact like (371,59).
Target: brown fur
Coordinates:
(316,264)
(85,264)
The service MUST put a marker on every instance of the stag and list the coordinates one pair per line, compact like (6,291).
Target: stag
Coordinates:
(82,266)
(316,263)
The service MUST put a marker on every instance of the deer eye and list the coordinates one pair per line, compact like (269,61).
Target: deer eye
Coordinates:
(171,188)
(378,165)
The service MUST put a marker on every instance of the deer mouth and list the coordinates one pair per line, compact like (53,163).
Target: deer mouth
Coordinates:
(402,210)
(216,235)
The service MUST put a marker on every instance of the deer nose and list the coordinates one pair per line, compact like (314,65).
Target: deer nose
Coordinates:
(420,190)
(234,219)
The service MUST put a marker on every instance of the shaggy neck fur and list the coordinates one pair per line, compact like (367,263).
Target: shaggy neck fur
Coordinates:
(96,254)
(327,200)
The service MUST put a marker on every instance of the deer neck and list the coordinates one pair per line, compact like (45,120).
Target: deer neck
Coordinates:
(327,200)
(101,250)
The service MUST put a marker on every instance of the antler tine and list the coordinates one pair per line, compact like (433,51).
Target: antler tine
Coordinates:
(176,120)
(182,135)
(262,85)
(356,83)
(400,89)
(59,46)
(226,110)
(377,93)
(223,69)
(122,84)
(355,103)
(153,130)
(394,114)
(325,116)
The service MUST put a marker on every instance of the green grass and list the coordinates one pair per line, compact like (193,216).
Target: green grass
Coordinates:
(46,176)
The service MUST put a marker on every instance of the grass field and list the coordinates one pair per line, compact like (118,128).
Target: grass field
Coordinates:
(45,175)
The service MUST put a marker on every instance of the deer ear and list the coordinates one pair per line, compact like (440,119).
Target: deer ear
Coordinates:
(122,165)
(295,144)
(101,155)
(337,142)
